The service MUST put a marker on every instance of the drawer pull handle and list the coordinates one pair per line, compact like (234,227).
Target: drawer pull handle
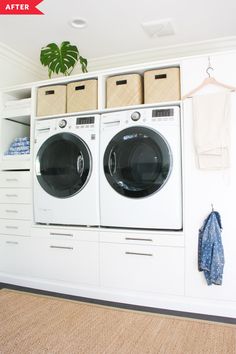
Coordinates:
(11,180)
(12,195)
(11,211)
(60,234)
(12,227)
(12,242)
(62,247)
(140,254)
(138,239)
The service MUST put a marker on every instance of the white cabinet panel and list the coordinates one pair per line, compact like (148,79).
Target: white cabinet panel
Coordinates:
(17,195)
(16,179)
(16,256)
(143,268)
(73,262)
(15,227)
(16,211)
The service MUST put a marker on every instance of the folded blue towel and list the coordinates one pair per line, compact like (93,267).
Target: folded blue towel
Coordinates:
(19,146)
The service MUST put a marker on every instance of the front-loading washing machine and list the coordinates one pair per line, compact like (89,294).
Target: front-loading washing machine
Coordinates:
(140,169)
(66,183)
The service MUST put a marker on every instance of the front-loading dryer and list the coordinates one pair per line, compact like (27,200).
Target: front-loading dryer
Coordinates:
(140,169)
(66,183)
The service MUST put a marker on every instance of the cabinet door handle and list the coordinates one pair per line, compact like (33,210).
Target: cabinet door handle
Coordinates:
(60,234)
(11,227)
(12,242)
(11,180)
(11,211)
(62,247)
(138,239)
(139,254)
(12,195)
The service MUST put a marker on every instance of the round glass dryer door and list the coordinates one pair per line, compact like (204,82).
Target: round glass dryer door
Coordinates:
(137,162)
(63,165)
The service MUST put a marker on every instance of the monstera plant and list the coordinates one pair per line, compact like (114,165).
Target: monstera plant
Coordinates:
(61,59)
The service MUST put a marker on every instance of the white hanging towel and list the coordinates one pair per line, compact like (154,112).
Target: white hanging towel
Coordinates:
(211,129)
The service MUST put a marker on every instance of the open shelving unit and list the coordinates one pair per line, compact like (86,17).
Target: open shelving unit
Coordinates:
(15,123)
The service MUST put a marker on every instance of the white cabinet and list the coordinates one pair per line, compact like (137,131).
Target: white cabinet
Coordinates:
(15,203)
(16,179)
(17,195)
(16,211)
(148,269)
(16,255)
(67,261)
(15,227)
(65,233)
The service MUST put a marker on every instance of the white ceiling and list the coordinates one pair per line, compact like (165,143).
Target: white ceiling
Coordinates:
(114,26)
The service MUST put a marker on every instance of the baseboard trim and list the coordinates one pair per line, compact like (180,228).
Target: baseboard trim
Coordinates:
(197,316)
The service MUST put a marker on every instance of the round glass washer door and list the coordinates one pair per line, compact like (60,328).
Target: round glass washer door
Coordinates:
(137,162)
(63,165)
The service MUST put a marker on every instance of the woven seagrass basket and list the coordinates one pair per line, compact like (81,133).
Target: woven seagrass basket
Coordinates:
(124,90)
(82,96)
(51,100)
(161,85)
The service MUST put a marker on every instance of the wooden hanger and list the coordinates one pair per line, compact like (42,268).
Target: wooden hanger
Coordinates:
(208,81)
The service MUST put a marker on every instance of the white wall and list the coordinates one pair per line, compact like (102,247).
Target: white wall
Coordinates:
(16,68)
(205,187)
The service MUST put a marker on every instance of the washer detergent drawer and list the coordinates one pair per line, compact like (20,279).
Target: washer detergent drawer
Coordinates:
(142,268)
(17,195)
(15,227)
(16,211)
(16,179)
(71,262)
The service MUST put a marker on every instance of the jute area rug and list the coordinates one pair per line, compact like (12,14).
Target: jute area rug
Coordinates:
(35,324)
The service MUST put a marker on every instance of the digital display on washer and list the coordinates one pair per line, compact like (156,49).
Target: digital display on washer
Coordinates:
(163,112)
(85,120)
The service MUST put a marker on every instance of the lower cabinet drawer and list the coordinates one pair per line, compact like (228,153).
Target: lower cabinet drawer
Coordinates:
(15,179)
(16,211)
(16,255)
(64,234)
(15,227)
(15,196)
(73,262)
(142,268)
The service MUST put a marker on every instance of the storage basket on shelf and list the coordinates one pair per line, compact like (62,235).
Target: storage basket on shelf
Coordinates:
(51,100)
(82,96)
(124,90)
(162,85)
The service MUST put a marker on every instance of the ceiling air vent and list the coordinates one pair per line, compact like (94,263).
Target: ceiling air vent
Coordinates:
(159,28)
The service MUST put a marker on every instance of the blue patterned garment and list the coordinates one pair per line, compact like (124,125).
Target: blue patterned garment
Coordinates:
(210,249)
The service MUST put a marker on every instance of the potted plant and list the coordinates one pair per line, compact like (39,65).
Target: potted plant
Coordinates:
(62,59)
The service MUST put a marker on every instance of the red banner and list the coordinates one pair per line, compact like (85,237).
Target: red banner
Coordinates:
(20,7)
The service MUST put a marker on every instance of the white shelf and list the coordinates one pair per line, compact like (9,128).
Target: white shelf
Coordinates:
(107,110)
(23,113)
